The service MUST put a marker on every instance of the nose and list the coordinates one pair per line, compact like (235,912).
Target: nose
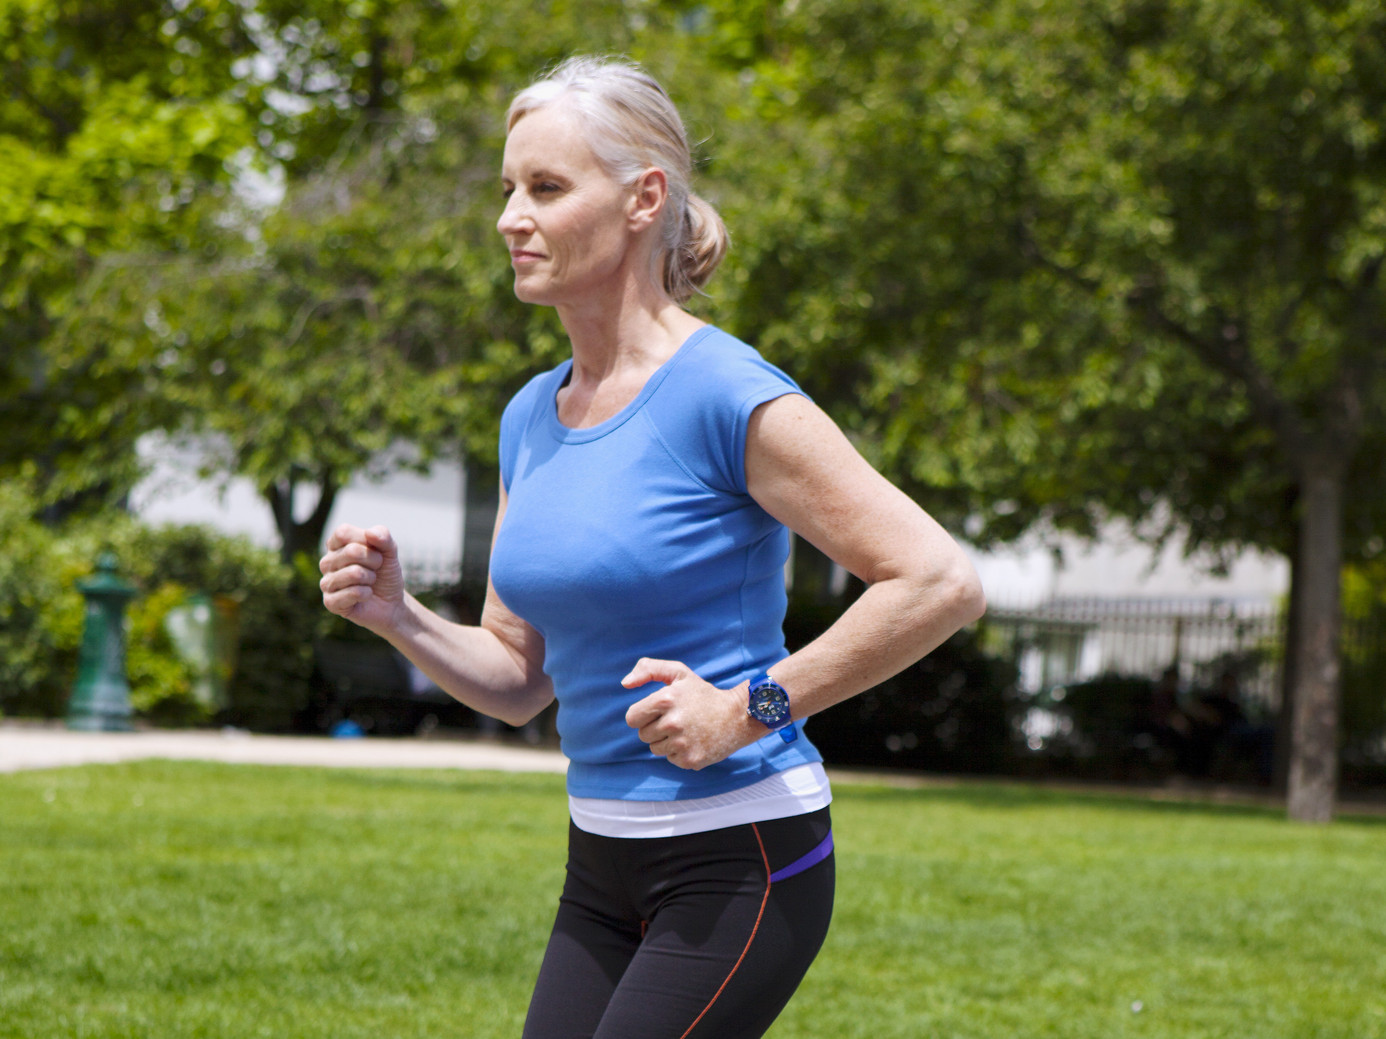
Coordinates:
(514,218)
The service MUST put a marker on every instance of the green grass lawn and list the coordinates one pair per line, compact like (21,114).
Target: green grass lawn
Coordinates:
(199,900)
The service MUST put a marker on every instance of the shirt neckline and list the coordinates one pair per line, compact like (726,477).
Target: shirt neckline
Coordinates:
(568,435)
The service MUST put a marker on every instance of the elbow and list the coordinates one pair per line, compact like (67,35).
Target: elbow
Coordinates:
(524,709)
(975,599)
(965,600)
(514,717)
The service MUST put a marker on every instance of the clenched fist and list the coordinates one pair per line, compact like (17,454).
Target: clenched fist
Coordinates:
(361,577)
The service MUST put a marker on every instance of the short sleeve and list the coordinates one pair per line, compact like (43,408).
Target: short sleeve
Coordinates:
(704,410)
(734,464)
(518,415)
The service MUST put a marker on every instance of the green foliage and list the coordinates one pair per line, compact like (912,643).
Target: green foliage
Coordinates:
(1364,669)
(1034,255)
(1063,262)
(119,126)
(133,132)
(372,312)
(276,614)
(161,682)
(40,611)
(186,899)
(1105,728)
(300,341)
(1049,262)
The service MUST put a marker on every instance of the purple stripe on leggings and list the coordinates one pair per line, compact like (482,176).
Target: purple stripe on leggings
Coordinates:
(813,858)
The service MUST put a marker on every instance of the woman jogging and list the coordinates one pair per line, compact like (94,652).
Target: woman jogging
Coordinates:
(648,488)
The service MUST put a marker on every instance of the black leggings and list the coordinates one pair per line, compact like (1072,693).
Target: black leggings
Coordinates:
(691,937)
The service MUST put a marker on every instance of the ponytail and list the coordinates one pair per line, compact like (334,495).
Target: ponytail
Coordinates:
(694,257)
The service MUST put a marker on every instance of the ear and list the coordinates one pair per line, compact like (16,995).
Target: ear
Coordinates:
(648,196)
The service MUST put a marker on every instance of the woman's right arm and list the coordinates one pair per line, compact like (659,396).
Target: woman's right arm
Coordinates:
(495,667)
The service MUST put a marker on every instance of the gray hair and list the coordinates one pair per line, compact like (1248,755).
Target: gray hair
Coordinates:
(632,125)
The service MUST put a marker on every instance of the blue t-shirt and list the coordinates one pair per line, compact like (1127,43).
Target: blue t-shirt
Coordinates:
(637,538)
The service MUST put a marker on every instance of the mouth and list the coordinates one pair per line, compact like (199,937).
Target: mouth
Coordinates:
(524,256)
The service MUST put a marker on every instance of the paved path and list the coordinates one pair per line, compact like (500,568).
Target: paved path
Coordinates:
(52,746)
(32,747)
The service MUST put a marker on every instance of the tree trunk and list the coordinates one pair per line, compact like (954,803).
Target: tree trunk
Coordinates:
(1285,718)
(297,538)
(1313,780)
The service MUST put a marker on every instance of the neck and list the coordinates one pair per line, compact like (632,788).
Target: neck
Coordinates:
(635,332)
(618,342)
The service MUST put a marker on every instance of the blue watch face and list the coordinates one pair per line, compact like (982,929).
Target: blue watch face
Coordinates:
(769,704)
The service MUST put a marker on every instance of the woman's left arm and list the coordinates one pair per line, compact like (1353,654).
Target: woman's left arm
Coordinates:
(921,587)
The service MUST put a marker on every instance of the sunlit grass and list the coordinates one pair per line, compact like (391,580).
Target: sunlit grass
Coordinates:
(182,900)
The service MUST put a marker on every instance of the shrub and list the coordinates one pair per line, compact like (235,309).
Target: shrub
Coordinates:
(949,712)
(161,682)
(1099,729)
(269,614)
(274,612)
(1364,673)
(40,612)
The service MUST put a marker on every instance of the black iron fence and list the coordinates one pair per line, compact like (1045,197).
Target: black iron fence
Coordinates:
(1067,641)
(1101,678)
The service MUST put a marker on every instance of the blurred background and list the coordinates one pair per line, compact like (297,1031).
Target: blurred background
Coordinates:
(1099,284)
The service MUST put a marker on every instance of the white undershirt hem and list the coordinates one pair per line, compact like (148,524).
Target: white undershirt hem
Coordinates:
(795,791)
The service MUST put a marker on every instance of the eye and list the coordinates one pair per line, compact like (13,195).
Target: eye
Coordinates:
(506,192)
(547,187)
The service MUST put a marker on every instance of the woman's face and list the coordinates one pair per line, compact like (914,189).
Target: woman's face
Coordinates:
(565,219)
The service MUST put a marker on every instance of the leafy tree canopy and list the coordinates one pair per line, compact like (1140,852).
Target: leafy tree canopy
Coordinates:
(1070,260)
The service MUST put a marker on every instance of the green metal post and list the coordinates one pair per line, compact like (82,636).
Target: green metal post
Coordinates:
(101,696)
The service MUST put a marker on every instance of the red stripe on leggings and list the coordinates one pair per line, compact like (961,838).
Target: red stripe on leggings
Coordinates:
(759,915)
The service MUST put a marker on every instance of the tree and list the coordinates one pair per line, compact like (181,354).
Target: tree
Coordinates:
(111,128)
(1051,262)
(366,312)
(1073,261)
(140,287)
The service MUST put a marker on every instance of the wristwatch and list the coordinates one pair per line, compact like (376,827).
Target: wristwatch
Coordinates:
(769,705)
